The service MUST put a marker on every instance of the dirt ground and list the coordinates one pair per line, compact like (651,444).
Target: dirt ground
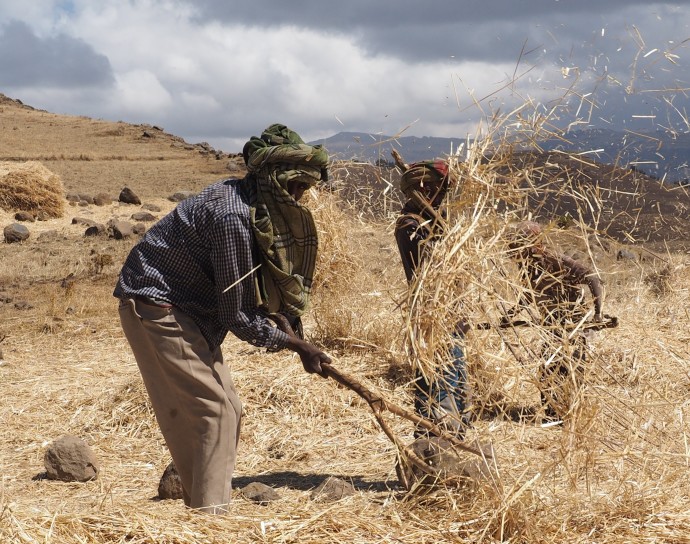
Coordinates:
(616,472)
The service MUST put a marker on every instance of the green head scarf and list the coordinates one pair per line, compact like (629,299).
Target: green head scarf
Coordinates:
(284,229)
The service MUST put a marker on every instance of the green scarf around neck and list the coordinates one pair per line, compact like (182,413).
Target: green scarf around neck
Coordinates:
(284,230)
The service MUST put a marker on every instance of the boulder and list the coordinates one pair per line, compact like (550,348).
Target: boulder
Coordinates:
(95,230)
(102,199)
(143,216)
(70,459)
(452,466)
(15,233)
(84,221)
(120,230)
(332,489)
(24,216)
(128,197)
(179,196)
(259,493)
(625,254)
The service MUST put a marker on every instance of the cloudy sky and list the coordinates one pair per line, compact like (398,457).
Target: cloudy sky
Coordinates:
(220,71)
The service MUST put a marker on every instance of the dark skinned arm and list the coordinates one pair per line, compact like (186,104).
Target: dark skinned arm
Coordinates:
(311,356)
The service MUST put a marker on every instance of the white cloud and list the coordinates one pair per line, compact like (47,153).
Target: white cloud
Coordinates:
(225,77)
(139,92)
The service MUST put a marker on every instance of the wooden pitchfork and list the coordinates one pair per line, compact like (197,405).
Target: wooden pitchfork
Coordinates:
(379,405)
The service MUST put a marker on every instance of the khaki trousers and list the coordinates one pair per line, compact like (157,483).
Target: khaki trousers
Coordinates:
(193,397)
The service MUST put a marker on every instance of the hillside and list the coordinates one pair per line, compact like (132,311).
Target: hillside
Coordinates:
(624,204)
(660,153)
(613,472)
(91,155)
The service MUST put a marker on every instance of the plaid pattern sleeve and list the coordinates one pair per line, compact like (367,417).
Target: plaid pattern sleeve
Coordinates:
(192,255)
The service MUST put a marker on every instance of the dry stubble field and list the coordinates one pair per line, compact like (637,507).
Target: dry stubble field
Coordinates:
(615,472)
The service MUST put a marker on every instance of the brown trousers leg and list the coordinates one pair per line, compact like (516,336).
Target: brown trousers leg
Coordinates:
(193,397)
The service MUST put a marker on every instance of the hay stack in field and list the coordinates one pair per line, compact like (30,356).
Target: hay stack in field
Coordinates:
(31,187)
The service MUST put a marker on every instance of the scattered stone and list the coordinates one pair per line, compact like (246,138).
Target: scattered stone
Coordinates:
(625,254)
(84,221)
(85,198)
(453,466)
(72,197)
(595,240)
(15,233)
(151,207)
(180,196)
(94,230)
(332,489)
(170,485)
(70,459)
(128,197)
(143,216)
(259,493)
(102,199)
(120,230)
(139,229)
(24,216)
(83,203)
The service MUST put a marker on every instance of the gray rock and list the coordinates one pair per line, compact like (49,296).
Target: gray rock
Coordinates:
(259,493)
(24,216)
(95,230)
(70,459)
(625,254)
(452,466)
(151,207)
(143,216)
(15,233)
(170,485)
(180,196)
(332,489)
(120,230)
(84,221)
(128,197)
(102,199)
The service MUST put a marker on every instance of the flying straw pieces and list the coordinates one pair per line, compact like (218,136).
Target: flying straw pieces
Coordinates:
(614,472)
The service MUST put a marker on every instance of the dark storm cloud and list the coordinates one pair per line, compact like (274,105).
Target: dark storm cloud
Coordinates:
(61,61)
(423,31)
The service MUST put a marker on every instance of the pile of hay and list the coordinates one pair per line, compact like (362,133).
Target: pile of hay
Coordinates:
(31,187)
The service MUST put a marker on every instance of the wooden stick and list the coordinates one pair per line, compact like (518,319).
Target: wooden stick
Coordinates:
(378,404)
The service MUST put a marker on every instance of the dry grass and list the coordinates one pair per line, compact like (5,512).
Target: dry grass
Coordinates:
(31,187)
(615,472)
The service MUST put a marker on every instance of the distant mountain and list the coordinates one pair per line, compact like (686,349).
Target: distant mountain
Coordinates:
(373,148)
(660,154)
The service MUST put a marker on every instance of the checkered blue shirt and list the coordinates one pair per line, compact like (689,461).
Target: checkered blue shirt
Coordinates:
(193,254)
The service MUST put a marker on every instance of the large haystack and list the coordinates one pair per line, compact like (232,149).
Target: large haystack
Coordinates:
(31,187)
